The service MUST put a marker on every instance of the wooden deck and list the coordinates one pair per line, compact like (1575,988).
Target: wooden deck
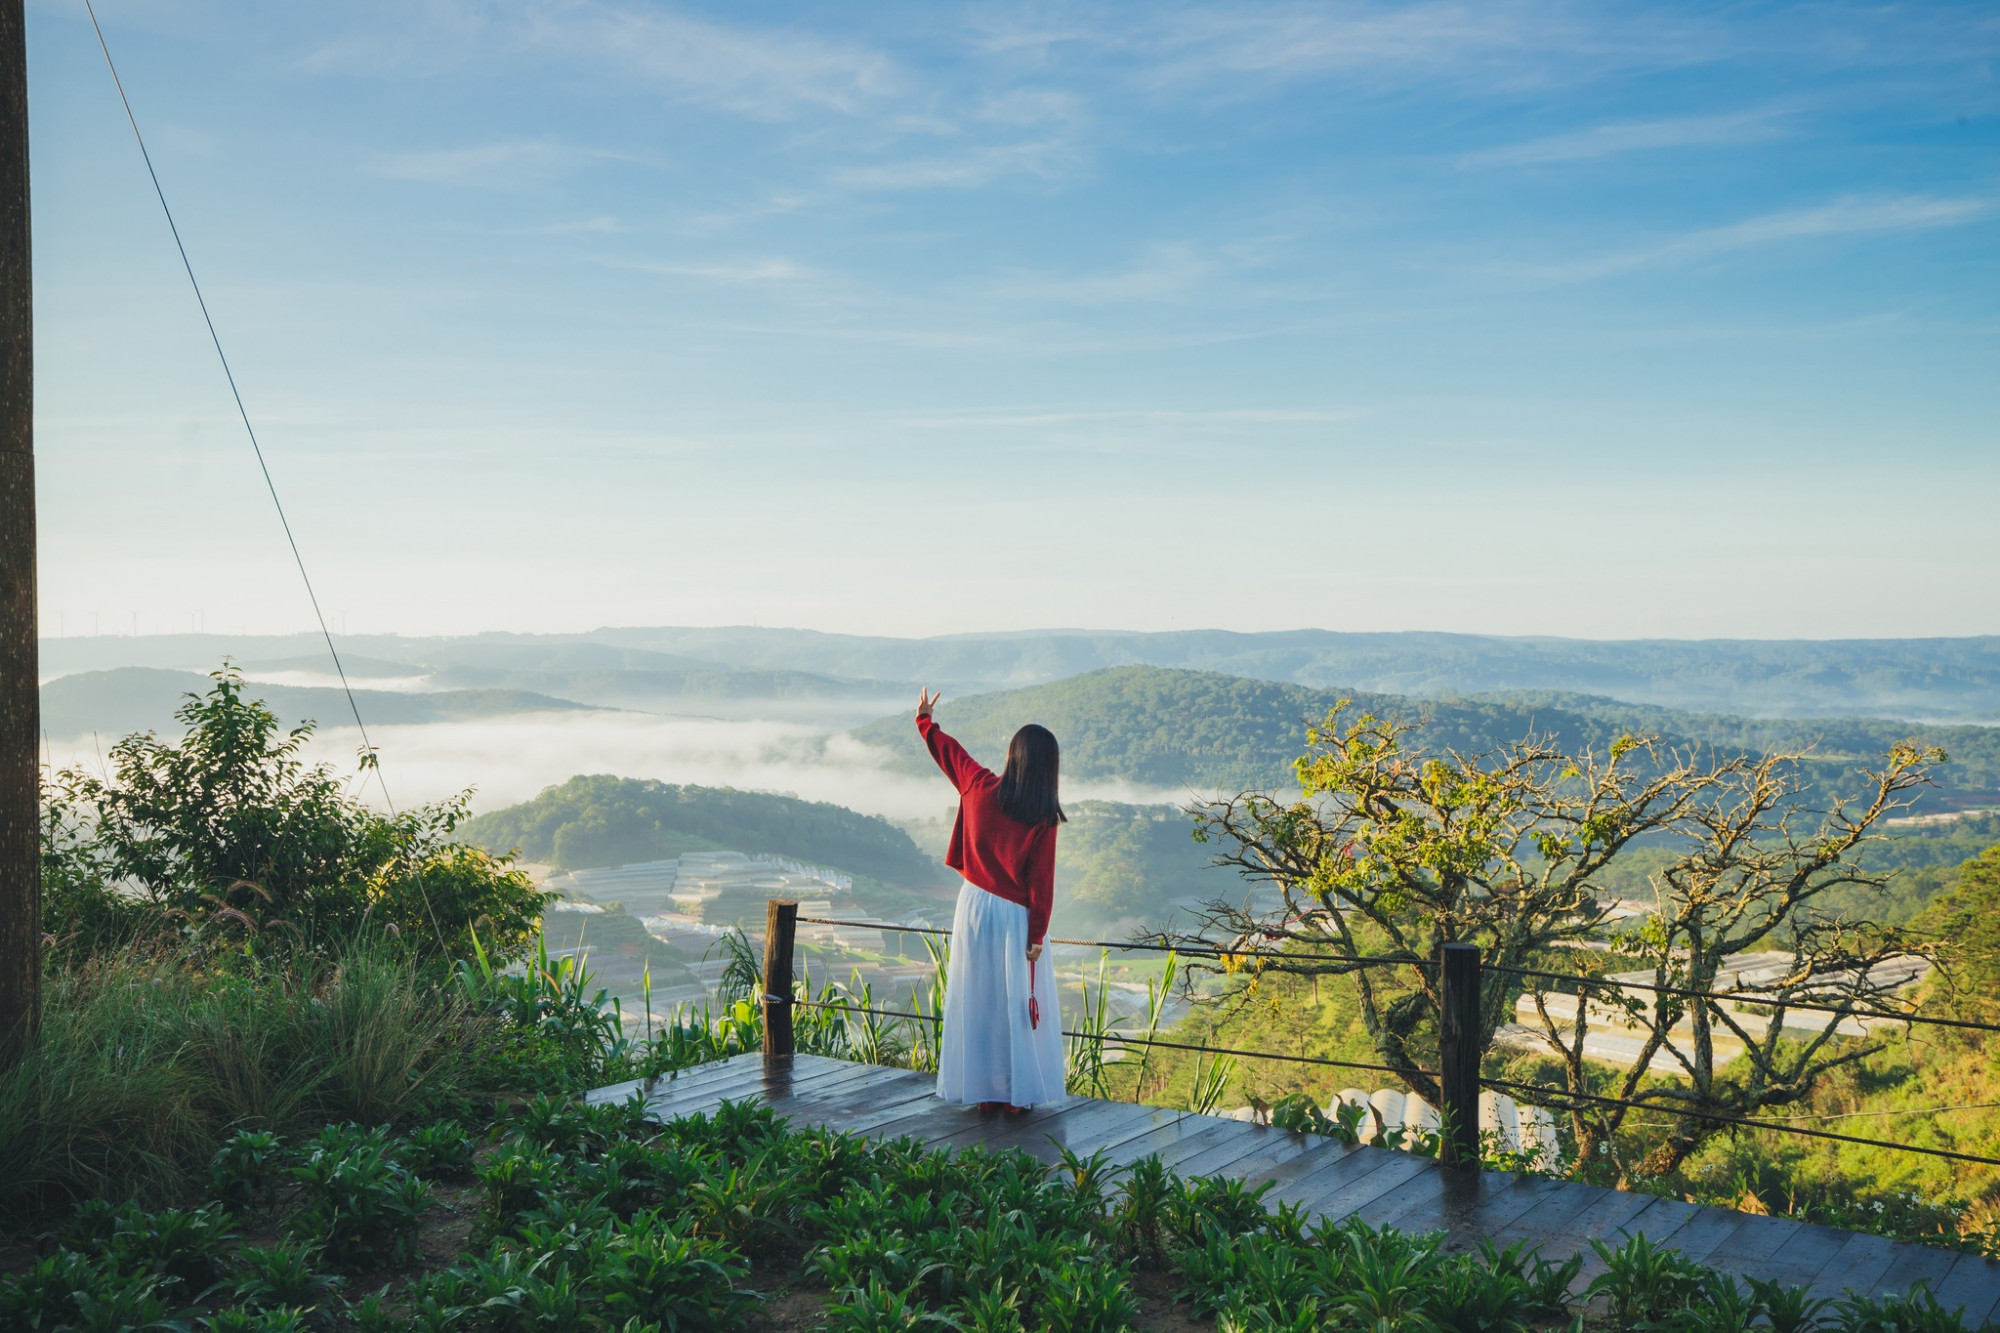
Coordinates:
(1381,1186)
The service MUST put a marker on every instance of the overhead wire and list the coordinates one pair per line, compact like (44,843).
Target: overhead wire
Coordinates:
(371,758)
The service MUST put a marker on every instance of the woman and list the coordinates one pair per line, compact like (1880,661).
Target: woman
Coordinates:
(1002,1043)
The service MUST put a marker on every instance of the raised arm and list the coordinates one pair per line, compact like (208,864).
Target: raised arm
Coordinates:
(957,765)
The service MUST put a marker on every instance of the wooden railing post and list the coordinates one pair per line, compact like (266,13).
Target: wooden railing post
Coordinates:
(781,919)
(1458,1054)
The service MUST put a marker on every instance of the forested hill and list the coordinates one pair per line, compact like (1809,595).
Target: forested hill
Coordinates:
(1955,679)
(1172,728)
(113,703)
(605,821)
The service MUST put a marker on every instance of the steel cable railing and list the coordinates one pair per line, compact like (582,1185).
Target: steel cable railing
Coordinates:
(1558,1098)
(1382,960)
(1121,1039)
(1720,1119)
(1745,997)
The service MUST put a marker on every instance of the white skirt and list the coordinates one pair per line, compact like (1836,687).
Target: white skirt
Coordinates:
(989,1052)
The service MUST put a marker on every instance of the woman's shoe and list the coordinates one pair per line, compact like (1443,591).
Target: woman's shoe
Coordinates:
(1018,1110)
(988,1108)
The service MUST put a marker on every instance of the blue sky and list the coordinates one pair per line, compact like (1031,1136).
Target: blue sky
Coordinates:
(1590,319)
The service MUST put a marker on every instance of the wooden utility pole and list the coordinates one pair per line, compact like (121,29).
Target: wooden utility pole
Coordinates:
(1458,1053)
(781,924)
(20,702)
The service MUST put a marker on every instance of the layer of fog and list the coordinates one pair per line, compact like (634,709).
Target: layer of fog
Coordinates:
(326,680)
(509,759)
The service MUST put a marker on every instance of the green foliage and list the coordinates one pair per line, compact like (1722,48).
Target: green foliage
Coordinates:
(1967,921)
(357,1203)
(895,1235)
(229,834)
(283,1276)
(602,820)
(148,1064)
(438,1151)
(244,1170)
(1642,1282)
(1173,728)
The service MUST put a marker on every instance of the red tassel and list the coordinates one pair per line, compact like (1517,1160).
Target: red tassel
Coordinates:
(1034,1005)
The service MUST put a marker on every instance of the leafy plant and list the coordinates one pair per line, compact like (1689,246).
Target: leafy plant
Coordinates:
(241,1320)
(683,1284)
(357,1202)
(1299,1112)
(1914,1311)
(246,1169)
(282,1275)
(441,1150)
(1643,1282)
(1088,1298)
(880,1309)
(1789,1309)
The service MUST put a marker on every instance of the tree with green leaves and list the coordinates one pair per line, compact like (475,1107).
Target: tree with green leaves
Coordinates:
(229,828)
(1390,851)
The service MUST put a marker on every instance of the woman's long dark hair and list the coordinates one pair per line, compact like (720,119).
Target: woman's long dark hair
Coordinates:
(1028,787)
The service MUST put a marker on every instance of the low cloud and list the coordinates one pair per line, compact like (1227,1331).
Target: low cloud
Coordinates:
(1601,141)
(519,165)
(1854,216)
(509,759)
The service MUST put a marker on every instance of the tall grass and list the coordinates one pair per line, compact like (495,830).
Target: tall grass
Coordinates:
(146,1063)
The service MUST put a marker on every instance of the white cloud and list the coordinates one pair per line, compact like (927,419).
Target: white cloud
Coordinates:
(602,225)
(1163,272)
(518,165)
(763,73)
(970,169)
(1252,48)
(1853,216)
(775,269)
(1632,136)
(1141,416)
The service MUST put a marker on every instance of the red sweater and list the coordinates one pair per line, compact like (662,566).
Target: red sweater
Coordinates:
(990,847)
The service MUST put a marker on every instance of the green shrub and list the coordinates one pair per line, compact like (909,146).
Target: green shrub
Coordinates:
(232,837)
(438,1151)
(246,1169)
(281,1276)
(1642,1282)
(356,1202)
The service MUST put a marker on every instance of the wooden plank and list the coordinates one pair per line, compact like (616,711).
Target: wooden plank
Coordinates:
(859,1107)
(1749,1248)
(692,1085)
(1338,1199)
(1466,1205)
(1215,1141)
(1973,1284)
(1272,1161)
(1327,1171)
(1800,1260)
(980,1131)
(1160,1141)
(1238,1141)
(782,1087)
(1702,1229)
(1503,1197)
(1914,1264)
(924,1119)
(1611,1220)
(1083,1133)
(1857,1266)
(1551,1217)
(693,1095)
(1078,1121)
